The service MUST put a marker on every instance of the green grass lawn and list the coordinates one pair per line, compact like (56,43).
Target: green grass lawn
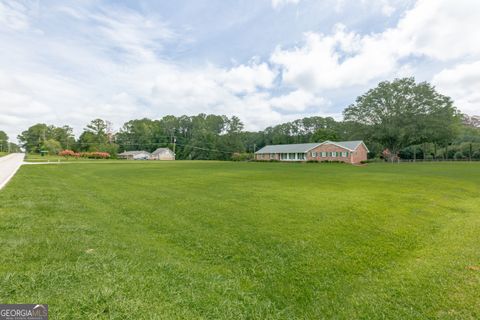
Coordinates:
(3,154)
(224,240)
(35,157)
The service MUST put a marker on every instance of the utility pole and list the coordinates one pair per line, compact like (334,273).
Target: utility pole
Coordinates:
(174,143)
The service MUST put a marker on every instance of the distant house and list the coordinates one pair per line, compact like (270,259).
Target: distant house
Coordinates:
(345,151)
(134,155)
(162,154)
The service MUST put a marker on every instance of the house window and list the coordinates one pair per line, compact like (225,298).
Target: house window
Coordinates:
(291,156)
(344,154)
(272,155)
(301,156)
(283,156)
(314,154)
(324,154)
(334,154)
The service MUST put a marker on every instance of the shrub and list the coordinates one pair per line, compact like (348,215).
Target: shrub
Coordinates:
(242,156)
(331,161)
(52,146)
(476,155)
(98,155)
(93,155)
(312,161)
(458,155)
(67,153)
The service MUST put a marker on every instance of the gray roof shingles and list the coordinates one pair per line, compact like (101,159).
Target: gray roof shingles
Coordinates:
(304,147)
(286,148)
(125,153)
(161,150)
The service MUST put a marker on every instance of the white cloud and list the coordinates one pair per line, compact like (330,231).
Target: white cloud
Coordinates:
(178,91)
(14,15)
(441,30)
(337,60)
(136,34)
(385,7)
(435,30)
(111,63)
(247,78)
(87,82)
(297,101)
(462,83)
(279,3)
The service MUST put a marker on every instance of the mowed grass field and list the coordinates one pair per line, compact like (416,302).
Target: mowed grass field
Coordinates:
(224,240)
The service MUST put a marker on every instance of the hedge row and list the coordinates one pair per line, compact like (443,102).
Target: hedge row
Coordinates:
(89,155)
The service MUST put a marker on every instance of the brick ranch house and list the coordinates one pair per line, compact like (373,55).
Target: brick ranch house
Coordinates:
(346,151)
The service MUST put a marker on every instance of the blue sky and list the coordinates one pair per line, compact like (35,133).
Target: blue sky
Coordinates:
(266,61)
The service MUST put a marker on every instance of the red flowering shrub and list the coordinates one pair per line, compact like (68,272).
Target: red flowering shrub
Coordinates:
(99,155)
(95,155)
(89,155)
(67,153)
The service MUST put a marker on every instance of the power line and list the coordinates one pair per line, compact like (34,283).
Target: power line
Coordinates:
(161,144)
(206,149)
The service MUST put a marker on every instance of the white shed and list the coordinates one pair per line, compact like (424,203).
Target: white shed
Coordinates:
(162,154)
(134,155)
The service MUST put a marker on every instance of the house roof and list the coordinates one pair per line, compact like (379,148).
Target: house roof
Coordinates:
(132,153)
(286,148)
(304,147)
(161,150)
(350,145)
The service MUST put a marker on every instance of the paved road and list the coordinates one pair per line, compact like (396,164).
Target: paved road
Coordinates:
(8,166)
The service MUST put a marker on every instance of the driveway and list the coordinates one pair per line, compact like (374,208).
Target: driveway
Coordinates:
(8,166)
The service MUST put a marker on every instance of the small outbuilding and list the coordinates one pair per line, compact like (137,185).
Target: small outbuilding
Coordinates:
(134,155)
(162,154)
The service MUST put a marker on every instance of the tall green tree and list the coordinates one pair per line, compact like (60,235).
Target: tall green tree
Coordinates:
(402,112)
(324,134)
(13,147)
(33,138)
(52,146)
(95,136)
(64,135)
(3,141)
(139,134)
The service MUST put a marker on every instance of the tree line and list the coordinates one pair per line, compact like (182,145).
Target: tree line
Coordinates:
(5,145)
(400,118)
